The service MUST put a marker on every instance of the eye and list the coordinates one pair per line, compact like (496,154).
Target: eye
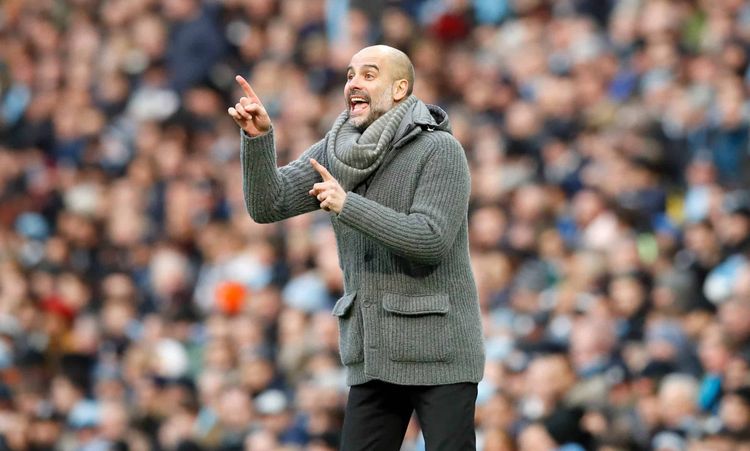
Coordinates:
(369,76)
(349,76)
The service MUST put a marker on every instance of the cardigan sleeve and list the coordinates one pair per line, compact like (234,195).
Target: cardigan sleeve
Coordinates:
(427,231)
(273,194)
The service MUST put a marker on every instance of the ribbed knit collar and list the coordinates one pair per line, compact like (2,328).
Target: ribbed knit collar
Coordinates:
(353,155)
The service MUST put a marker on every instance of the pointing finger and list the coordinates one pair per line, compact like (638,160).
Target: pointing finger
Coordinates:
(246,88)
(321,170)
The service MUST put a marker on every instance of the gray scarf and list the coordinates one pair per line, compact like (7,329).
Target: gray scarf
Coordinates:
(353,155)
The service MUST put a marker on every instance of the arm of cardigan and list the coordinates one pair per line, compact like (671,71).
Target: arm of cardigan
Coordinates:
(426,233)
(273,194)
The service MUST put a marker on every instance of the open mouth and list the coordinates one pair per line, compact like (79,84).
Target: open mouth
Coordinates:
(358,104)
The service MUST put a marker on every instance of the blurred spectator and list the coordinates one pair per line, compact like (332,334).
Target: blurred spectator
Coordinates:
(141,308)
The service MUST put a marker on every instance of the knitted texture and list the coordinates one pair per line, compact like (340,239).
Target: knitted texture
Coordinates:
(354,155)
(410,314)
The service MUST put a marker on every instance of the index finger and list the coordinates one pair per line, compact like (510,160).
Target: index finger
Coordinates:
(321,170)
(246,88)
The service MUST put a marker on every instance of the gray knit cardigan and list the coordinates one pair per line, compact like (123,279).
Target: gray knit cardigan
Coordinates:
(410,313)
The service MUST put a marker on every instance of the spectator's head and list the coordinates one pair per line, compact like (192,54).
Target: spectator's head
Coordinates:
(628,293)
(738,370)
(535,437)
(715,350)
(547,380)
(587,205)
(45,431)
(487,227)
(733,314)
(665,341)
(114,421)
(677,399)
(733,226)
(262,440)
(734,411)
(235,410)
(180,10)
(591,344)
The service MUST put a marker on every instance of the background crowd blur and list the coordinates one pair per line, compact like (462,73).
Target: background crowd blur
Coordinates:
(141,308)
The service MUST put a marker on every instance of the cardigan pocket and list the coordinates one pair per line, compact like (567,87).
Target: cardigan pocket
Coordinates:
(418,328)
(351,342)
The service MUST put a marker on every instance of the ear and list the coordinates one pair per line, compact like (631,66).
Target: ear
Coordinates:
(400,87)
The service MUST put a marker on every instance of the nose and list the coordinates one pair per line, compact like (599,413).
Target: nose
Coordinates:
(353,83)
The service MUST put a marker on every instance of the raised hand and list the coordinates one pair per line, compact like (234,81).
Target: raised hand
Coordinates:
(249,112)
(328,192)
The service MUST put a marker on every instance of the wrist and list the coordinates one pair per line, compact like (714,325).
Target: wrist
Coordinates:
(249,135)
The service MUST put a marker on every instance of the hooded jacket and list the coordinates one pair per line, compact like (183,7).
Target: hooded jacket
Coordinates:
(410,313)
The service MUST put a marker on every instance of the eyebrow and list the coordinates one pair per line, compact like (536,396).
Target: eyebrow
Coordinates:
(372,66)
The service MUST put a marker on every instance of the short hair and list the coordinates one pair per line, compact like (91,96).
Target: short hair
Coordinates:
(404,69)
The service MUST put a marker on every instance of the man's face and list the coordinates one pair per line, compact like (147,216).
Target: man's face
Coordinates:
(368,90)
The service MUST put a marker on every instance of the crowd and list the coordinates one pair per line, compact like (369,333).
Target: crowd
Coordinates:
(141,308)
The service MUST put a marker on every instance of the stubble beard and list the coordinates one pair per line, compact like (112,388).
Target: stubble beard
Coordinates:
(377,108)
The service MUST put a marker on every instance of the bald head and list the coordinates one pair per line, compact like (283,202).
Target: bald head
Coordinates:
(399,64)
(377,79)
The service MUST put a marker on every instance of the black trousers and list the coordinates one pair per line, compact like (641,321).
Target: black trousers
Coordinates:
(377,414)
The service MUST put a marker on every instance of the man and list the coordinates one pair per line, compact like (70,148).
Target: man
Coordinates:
(397,185)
